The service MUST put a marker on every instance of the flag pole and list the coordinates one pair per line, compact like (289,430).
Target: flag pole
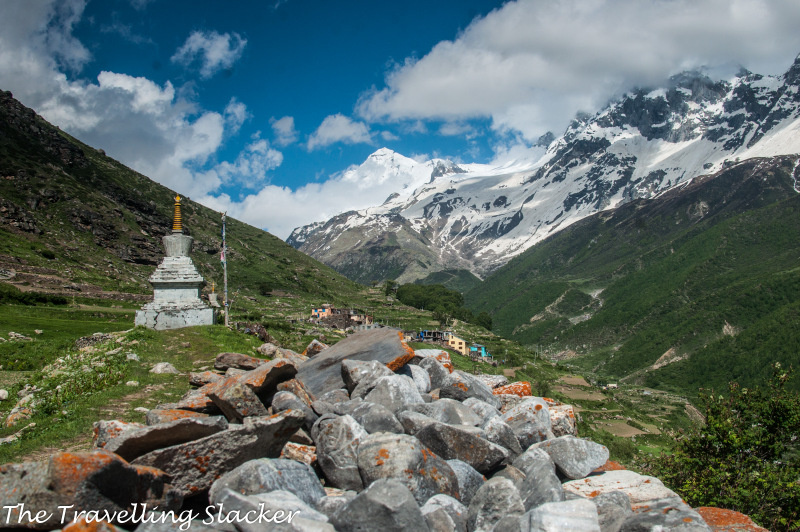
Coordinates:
(224,259)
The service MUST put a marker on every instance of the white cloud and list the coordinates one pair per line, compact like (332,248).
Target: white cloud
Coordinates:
(530,65)
(284,130)
(236,114)
(339,128)
(251,166)
(214,50)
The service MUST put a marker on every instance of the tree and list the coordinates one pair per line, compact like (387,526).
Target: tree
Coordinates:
(745,457)
(389,287)
(484,320)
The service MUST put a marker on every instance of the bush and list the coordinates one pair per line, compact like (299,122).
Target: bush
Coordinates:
(745,457)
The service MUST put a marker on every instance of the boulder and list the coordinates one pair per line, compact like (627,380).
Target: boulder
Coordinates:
(292,356)
(298,452)
(418,375)
(497,498)
(355,371)
(562,420)
(404,458)
(373,417)
(453,443)
(204,377)
(482,408)
(521,389)
(96,481)
(665,514)
(330,504)
(264,475)
(579,515)
(164,367)
(267,349)
(106,431)
(132,444)
(414,422)
(448,411)
(541,484)
(499,433)
(574,457)
(436,372)
(283,401)
(492,381)
(460,385)
(195,465)
(296,387)
(314,348)
(386,505)
(394,392)
(237,361)
(282,511)
(441,356)
(445,510)
(530,421)
(335,396)
(338,439)
(237,401)
(514,475)
(612,510)
(323,372)
(639,488)
(469,480)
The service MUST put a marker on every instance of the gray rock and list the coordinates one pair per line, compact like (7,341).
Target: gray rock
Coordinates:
(338,439)
(323,372)
(237,401)
(482,408)
(499,433)
(3,395)
(541,484)
(195,465)
(513,474)
(418,375)
(283,401)
(414,422)
(436,371)
(107,430)
(177,521)
(454,443)
(394,392)
(356,371)
(164,367)
(469,480)
(530,421)
(322,407)
(579,515)
(404,458)
(509,523)
(448,411)
(264,475)
(492,381)
(640,488)
(460,386)
(575,457)
(156,416)
(562,420)
(224,361)
(455,511)
(285,511)
(314,348)
(133,444)
(665,514)
(373,417)
(330,504)
(496,499)
(386,505)
(203,377)
(96,481)
(335,396)
(612,510)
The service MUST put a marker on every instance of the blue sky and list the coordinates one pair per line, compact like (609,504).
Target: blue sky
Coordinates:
(258,107)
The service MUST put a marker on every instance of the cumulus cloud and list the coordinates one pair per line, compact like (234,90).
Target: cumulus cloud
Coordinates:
(215,51)
(236,114)
(284,130)
(339,128)
(530,65)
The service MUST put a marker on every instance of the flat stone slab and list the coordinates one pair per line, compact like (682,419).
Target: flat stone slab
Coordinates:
(195,465)
(132,444)
(639,488)
(323,373)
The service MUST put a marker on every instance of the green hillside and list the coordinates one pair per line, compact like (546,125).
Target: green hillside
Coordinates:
(459,280)
(706,275)
(75,222)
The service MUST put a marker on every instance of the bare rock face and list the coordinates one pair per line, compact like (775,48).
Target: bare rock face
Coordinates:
(97,481)
(195,465)
(323,372)
(404,458)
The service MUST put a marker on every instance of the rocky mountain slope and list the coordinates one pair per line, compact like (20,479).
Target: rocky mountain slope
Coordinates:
(693,289)
(73,221)
(639,146)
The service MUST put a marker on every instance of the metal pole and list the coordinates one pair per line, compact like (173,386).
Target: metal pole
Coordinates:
(225,268)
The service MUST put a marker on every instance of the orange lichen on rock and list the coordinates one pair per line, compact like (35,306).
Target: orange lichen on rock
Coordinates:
(721,520)
(610,465)
(82,525)
(69,470)
(403,359)
(444,359)
(173,414)
(520,389)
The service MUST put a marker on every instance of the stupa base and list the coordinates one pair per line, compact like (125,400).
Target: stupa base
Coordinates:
(161,320)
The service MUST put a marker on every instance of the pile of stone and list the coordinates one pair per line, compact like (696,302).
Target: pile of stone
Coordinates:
(363,435)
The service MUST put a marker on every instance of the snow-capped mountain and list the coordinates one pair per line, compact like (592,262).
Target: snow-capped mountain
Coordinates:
(478,217)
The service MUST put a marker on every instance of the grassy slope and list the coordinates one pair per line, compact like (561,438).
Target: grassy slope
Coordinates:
(672,272)
(459,280)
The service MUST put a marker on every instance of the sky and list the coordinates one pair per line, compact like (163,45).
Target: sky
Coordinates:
(259,107)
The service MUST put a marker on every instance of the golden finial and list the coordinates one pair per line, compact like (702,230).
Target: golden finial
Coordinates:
(213,285)
(177,224)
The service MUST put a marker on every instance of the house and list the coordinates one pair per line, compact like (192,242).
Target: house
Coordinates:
(433,336)
(477,350)
(457,344)
(340,318)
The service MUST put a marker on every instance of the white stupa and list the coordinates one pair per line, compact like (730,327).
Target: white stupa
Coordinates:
(176,286)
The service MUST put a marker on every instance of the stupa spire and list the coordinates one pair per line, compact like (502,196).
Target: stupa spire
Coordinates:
(177,222)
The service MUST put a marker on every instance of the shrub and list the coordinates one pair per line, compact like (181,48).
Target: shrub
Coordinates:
(745,457)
